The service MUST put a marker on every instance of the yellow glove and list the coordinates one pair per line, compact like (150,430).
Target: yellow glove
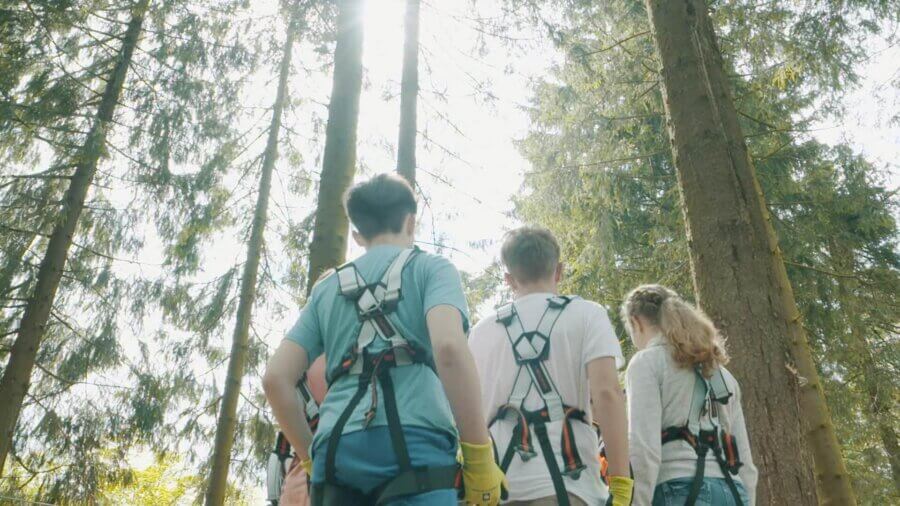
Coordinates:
(306,464)
(620,489)
(482,477)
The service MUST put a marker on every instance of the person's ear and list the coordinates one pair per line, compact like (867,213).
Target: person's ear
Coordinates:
(359,239)
(510,281)
(637,324)
(411,224)
(559,272)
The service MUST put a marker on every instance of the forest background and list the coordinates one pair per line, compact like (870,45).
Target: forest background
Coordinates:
(537,112)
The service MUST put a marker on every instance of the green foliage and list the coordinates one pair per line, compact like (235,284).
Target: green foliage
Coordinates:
(598,122)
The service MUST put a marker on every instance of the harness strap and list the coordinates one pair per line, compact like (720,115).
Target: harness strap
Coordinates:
(335,437)
(559,486)
(373,303)
(531,349)
(698,476)
(419,480)
(398,441)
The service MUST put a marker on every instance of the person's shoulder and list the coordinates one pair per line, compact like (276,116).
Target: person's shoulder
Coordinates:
(647,359)
(730,380)
(588,307)
(485,326)
(325,284)
(433,261)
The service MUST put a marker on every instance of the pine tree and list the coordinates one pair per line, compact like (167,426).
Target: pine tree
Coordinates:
(225,430)
(409,91)
(329,241)
(16,376)
(735,257)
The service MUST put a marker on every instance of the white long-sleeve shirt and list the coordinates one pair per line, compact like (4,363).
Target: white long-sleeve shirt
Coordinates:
(659,396)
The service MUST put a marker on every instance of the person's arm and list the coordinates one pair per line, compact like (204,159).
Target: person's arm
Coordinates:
(285,368)
(608,408)
(457,372)
(644,427)
(748,473)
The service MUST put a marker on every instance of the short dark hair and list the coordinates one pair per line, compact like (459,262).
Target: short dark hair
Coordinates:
(380,205)
(530,253)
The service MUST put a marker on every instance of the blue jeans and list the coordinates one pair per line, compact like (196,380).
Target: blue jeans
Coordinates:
(365,459)
(713,492)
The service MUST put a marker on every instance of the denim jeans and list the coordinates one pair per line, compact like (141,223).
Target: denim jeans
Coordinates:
(366,460)
(713,492)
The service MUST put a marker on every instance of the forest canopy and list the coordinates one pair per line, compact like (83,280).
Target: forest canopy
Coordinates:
(171,176)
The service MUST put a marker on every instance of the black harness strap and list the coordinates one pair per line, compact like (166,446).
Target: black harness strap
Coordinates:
(335,437)
(562,496)
(398,441)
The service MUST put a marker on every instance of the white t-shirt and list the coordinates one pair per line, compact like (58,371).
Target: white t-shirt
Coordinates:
(582,333)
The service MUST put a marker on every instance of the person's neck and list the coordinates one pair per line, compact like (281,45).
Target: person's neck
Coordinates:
(402,240)
(549,286)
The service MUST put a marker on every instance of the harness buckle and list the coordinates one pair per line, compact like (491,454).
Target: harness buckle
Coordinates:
(525,453)
(574,472)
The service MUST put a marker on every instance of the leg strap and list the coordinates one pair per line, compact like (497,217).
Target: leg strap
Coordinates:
(559,486)
(398,441)
(723,465)
(698,476)
(335,437)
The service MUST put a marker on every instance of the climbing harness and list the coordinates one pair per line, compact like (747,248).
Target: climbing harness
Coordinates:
(703,433)
(374,304)
(531,349)
(281,455)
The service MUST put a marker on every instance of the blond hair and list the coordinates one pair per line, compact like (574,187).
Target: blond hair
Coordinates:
(694,339)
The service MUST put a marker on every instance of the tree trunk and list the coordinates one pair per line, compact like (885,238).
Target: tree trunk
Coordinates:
(409,92)
(739,274)
(329,243)
(221,459)
(17,375)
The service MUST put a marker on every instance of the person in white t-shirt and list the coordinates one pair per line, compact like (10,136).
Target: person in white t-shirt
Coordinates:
(680,400)
(544,391)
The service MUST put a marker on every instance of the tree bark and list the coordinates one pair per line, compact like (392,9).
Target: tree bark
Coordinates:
(221,459)
(17,375)
(409,92)
(739,274)
(329,244)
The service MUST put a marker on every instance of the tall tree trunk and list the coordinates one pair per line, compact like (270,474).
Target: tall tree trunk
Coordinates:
(409,92)
(221,459)
(329,243)
(739,274)
(17,375)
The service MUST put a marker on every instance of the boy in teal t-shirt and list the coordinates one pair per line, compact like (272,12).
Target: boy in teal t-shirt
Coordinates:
(433,395)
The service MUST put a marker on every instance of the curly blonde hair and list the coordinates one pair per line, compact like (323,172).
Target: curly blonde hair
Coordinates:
(694,339)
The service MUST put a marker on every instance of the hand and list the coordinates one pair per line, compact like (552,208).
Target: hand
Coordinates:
(482,477)
(620,490)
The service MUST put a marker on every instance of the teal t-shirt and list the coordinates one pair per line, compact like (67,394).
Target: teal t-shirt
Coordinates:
(329,324)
